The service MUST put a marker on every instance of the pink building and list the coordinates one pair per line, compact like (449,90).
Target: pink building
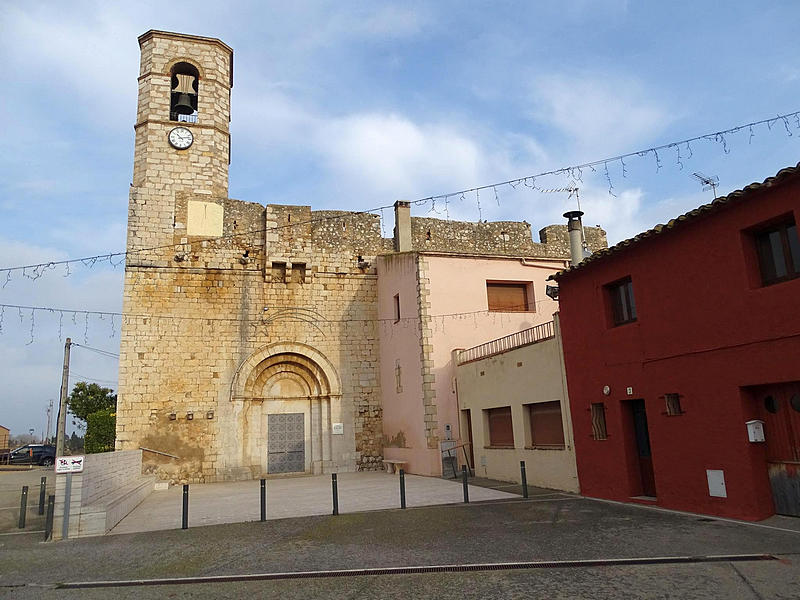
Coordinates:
(453,285)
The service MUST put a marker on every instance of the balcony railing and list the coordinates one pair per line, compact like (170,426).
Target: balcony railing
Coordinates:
(174,116)
(542,332)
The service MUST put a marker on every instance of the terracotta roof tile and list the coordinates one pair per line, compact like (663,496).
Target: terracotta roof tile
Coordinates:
(719,203)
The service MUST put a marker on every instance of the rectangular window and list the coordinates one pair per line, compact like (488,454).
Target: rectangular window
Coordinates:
(623,305)
(501,430)
(673,404)
(547,430)
(507,297)
(599,421)
(778,253)
(396,308)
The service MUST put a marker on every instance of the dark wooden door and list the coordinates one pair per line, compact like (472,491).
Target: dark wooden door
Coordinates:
(643,447)
(780,411)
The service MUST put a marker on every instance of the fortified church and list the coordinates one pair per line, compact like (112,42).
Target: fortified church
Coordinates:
(276,339)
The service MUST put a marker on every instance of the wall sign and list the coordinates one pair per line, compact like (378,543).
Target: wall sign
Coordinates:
(69,464)
(338,429)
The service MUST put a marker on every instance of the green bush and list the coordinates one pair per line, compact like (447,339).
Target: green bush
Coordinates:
(101,429)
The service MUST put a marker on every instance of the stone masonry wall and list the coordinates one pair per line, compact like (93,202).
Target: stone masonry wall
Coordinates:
(196,312)
(509,238)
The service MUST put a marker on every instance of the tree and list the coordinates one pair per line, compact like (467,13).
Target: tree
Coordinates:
(97,407)
(101,428)
(87,398)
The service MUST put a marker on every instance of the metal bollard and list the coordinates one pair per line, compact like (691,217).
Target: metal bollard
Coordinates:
(464,479)
(185,518)
(335,488)
(402,488)
(524,479)
(48,523)
(42,492)
(23,506)
(263,499)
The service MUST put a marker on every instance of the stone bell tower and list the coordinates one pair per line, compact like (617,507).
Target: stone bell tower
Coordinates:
(184,82)
(182,146)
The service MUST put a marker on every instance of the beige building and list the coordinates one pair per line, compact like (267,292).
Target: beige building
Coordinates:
(251,338)
(512,393)
(4,437)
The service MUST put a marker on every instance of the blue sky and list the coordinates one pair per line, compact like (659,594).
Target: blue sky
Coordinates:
(354,105)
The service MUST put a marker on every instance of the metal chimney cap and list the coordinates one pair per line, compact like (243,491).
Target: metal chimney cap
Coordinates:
(573,214)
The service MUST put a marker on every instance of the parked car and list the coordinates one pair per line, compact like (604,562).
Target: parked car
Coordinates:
(30,454)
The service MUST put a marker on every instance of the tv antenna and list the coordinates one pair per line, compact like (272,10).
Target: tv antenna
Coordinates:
(572,191)
(709,183)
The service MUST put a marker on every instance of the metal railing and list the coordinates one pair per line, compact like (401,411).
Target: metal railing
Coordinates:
(542,332)
(174,116)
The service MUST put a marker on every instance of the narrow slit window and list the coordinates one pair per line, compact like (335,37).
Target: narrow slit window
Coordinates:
(397,308)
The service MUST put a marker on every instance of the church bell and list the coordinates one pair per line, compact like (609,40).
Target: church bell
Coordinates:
(184,88)
(183,106)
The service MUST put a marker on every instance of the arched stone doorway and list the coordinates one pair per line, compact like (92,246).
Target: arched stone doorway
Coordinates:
(290,395)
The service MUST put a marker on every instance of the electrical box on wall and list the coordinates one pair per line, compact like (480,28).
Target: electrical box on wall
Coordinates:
(755,430)
(716,483)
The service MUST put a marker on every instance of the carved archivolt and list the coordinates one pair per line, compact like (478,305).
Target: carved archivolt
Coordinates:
(305,367)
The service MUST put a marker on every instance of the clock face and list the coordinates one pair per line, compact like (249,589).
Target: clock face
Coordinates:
(181,138)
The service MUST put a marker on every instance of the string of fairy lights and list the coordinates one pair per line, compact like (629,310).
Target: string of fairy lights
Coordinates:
(788,123)
(81,318)
(574,173)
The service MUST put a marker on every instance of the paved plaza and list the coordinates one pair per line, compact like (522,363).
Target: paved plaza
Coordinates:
(235,502)
(485,538)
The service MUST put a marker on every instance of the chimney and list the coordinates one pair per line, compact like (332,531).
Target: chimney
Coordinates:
(402,226)
(575,230)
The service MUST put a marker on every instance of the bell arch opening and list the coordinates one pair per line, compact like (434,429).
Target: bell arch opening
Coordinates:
(184,88)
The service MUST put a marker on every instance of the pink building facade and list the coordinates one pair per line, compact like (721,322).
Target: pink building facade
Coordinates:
(432,302)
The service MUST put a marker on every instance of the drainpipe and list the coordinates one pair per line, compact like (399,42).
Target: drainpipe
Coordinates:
(575,229)
(402,226)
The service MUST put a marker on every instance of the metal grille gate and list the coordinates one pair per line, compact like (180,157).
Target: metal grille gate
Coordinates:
(286,443)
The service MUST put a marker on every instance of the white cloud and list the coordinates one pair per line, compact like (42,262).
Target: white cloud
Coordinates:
(601,116)
(387,153)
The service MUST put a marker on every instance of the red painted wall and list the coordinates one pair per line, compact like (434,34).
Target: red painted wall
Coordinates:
(706,329)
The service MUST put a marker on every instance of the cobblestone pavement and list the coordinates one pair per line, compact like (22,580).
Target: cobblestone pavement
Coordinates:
(543,528)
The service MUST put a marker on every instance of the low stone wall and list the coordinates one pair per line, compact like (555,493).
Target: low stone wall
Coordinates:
(109,487)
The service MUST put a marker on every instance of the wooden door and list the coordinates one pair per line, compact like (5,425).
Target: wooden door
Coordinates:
(643,447)
(780,411)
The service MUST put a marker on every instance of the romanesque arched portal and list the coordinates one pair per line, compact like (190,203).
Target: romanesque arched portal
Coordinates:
(289,395)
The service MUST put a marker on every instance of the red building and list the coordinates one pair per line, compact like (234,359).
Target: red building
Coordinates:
(676,339)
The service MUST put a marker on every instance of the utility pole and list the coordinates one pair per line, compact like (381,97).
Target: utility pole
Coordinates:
(61,427)
(49,422)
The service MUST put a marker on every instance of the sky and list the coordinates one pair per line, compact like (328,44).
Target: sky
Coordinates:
(353,105)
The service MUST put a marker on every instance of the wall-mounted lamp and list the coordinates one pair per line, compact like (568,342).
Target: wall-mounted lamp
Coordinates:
(210,414)
(189,416)
(172,416)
